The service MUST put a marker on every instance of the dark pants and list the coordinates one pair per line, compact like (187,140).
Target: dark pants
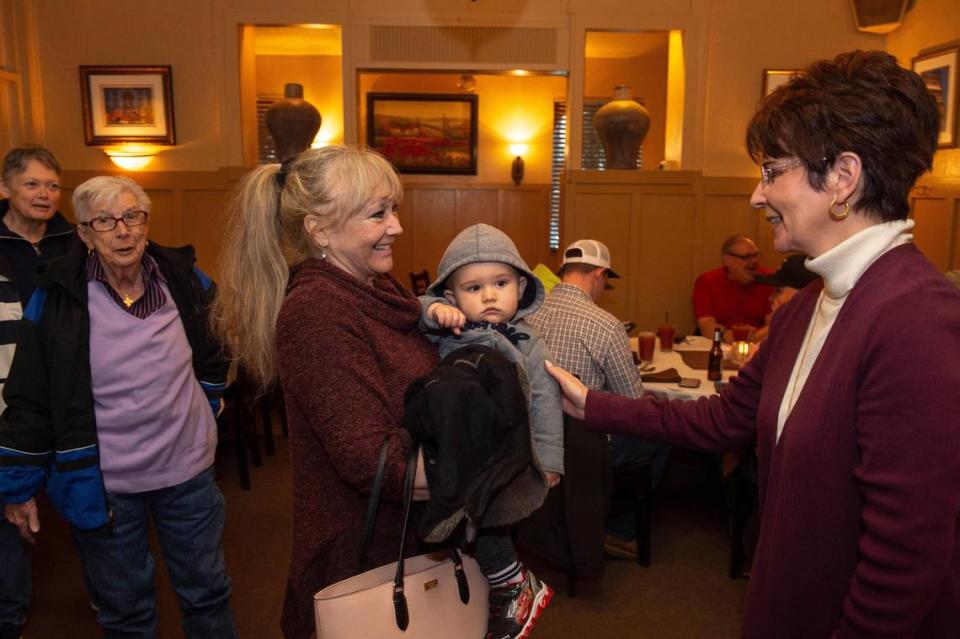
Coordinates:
(14,578)
(495,550)
(118,566)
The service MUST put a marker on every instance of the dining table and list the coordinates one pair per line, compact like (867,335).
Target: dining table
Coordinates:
(689,358)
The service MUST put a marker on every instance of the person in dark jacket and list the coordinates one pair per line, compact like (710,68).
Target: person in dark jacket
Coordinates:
(109,407)
(32,231)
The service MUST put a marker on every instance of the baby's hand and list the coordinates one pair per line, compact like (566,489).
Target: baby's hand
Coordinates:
(447,316)
(552,479)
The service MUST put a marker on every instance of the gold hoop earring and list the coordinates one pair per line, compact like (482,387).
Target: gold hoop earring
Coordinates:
(842,215)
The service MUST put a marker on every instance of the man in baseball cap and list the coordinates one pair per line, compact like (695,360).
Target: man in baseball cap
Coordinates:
(592,344)
(589,253)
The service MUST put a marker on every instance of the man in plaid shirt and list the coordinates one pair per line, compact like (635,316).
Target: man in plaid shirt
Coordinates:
(592,344)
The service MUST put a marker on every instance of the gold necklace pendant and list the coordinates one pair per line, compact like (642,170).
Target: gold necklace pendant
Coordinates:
(127,300)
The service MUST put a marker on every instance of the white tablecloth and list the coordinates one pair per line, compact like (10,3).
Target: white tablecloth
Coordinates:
(673,359)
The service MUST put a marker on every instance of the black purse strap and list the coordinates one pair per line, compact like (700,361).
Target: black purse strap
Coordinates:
(399,598)
(372,504)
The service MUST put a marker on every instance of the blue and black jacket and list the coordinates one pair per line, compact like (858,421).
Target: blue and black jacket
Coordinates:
(48,433)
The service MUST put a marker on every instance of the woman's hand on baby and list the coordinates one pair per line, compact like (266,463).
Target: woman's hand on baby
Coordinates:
(552,479)
(447,316)
(574,392)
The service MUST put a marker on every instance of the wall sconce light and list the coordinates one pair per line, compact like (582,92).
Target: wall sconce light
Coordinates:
(131,157)
(516,169)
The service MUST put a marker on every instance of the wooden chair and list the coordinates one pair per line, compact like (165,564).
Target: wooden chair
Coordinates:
(419,282)
(238,423)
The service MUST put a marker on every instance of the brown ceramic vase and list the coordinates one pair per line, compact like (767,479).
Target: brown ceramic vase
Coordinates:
(621,125)
(293,122)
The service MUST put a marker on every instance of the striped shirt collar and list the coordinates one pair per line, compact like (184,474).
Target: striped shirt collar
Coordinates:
(153,296)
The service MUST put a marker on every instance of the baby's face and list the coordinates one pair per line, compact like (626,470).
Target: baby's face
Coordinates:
(486,291)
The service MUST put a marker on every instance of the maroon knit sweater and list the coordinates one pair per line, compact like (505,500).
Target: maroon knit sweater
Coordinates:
(347,352)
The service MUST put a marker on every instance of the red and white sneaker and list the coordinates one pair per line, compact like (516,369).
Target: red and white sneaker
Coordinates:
(514,609)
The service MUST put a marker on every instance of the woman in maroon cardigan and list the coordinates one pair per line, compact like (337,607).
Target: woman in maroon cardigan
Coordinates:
(854,400)
(341,335)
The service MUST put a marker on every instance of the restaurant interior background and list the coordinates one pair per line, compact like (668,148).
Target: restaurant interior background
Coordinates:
(697,66)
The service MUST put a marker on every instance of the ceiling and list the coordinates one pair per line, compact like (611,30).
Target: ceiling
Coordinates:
(622,44)
(313,39)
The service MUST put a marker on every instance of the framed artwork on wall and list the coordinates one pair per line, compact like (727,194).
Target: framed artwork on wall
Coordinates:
(127,104)
(424,132)
(938,68)
(774,78)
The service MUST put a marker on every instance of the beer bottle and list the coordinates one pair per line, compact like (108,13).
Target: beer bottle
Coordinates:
(715,366)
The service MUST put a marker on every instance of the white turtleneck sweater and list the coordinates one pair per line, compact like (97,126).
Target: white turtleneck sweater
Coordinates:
(840,268)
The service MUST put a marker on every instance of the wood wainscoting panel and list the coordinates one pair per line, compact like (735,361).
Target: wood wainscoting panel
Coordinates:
(610,218)
(166,217)
(524,215)
(433,213)
(434,221)
(933,233)
(204,221)
(935,205)
(476,206)
(663,273)
(649,221)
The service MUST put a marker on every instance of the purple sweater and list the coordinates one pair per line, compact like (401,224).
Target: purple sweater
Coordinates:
(347,352)
(860,499)
(154,424)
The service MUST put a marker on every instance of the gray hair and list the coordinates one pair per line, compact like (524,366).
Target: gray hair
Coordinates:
(104,191)
(16,160)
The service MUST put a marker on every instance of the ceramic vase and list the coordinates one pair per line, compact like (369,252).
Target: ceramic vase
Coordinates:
(293,122)
(621,125)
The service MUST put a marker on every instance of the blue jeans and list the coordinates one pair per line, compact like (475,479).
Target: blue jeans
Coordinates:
(627,450)
(118,566)
(14,575)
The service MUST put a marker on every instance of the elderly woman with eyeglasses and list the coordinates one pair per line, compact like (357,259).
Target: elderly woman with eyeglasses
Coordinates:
(853,400)
(109,407)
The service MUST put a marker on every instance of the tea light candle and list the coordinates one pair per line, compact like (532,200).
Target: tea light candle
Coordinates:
(741,351)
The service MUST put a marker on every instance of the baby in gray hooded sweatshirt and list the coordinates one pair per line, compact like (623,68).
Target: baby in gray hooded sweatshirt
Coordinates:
(488,290)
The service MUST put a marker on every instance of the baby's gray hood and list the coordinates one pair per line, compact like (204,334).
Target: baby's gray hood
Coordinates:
(485,243)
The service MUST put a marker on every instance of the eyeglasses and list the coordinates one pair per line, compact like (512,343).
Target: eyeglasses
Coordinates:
(747,257)
(106,223)
(772,170)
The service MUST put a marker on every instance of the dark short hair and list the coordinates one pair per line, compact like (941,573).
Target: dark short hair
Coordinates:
(16,160)
(862,102)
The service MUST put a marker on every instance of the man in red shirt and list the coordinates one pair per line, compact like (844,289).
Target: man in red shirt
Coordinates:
(728,296)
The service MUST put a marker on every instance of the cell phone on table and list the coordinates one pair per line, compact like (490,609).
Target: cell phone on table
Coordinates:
(689,382)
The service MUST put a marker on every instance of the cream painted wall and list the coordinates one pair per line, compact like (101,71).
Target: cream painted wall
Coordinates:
(511,109)
(322,80)
(727,45)
(929,24)
(181,33)
(744,38)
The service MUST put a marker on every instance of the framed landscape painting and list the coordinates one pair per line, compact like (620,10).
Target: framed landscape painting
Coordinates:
(424,132)
(938,68)
(127,104)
